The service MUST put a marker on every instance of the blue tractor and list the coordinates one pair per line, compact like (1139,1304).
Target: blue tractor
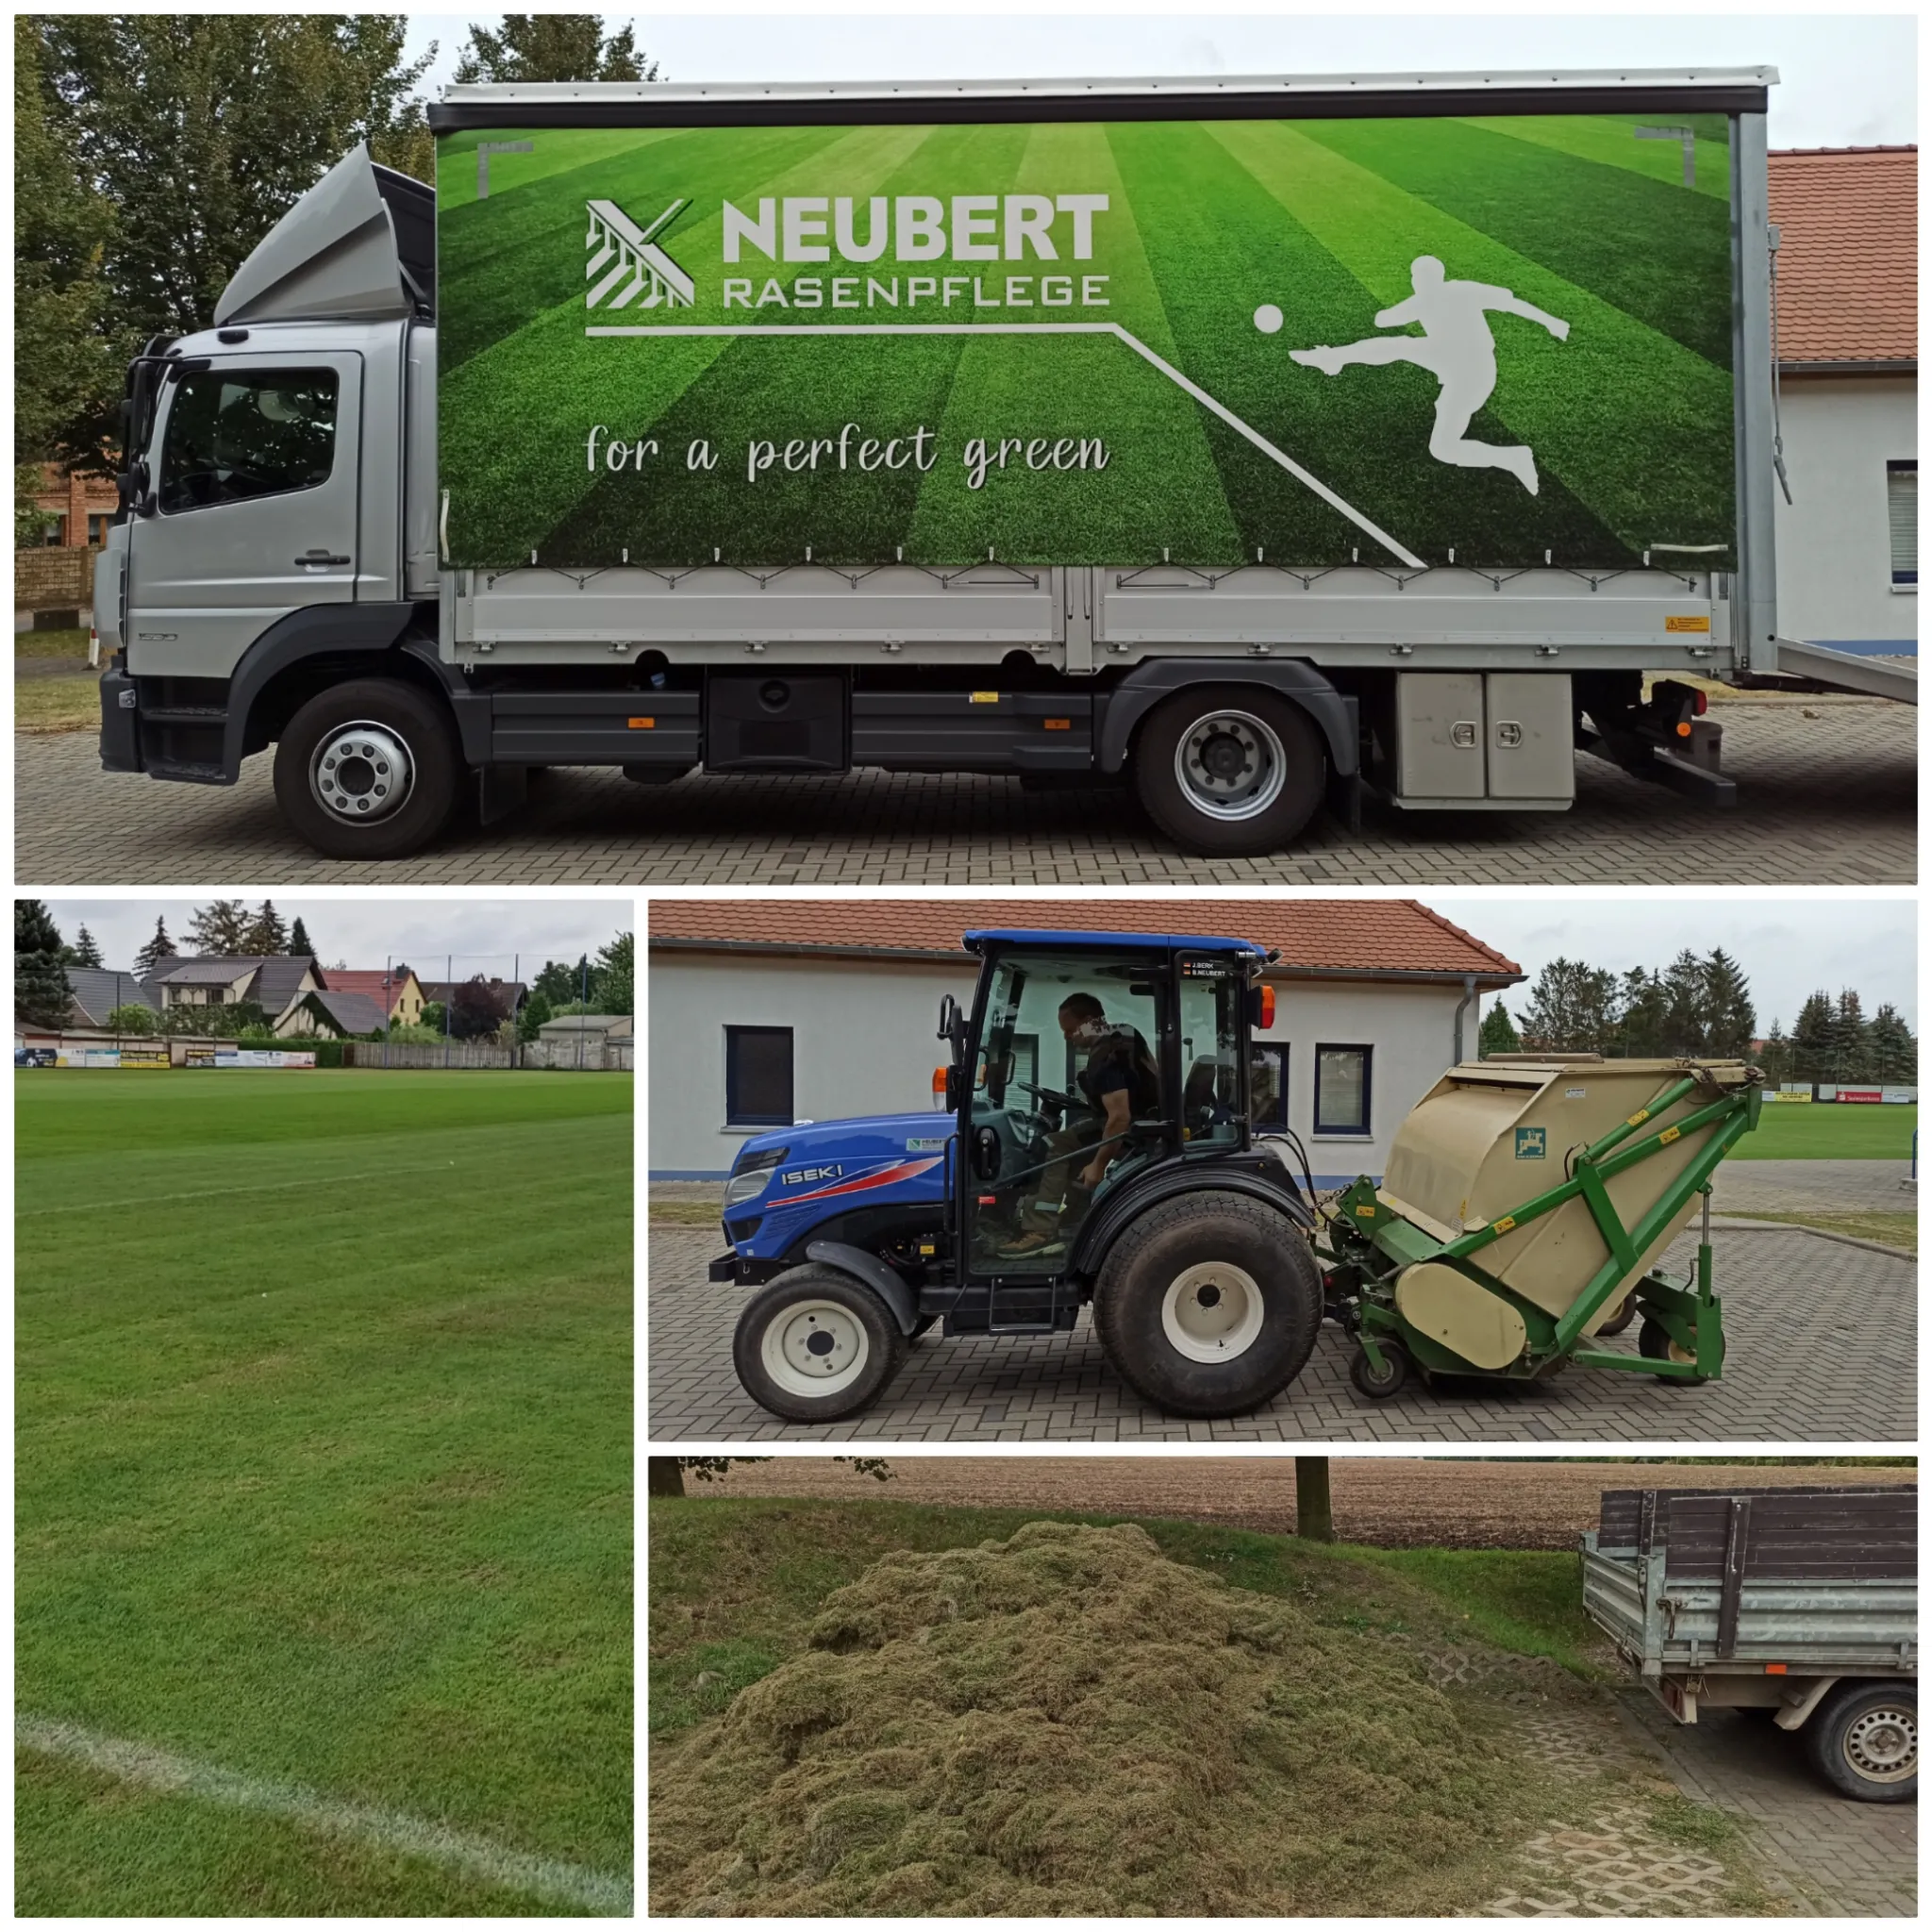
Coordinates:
(1094,1147)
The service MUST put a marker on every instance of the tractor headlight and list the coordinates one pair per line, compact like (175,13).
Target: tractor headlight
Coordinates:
(750,1178)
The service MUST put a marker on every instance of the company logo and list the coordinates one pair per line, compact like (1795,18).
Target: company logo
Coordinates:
(800,1174)
(1530,1143)
(626,262)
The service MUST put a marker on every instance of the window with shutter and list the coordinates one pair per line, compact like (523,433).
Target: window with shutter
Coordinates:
(1902,505)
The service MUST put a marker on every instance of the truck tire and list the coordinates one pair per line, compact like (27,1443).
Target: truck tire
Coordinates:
(815,1345)
(1208,1306)
(1229,770)
(1865,1739)
(368,769)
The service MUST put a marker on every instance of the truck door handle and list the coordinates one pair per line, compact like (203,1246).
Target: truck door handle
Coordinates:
(318,560)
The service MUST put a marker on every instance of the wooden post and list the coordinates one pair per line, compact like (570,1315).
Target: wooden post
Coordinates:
(1314,1519)
(663,1478)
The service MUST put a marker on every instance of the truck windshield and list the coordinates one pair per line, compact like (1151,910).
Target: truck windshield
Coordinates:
(233,437)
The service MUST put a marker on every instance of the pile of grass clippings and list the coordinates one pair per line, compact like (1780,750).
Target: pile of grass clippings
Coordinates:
(1069,1723)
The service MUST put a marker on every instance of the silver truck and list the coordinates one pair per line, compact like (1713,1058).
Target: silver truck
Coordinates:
(1802,1603)
(288,569)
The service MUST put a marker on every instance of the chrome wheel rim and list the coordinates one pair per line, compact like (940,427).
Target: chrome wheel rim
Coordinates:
(1231,765)
(361,773)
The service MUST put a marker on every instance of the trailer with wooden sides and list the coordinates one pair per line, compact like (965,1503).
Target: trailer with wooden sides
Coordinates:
(1801,1601)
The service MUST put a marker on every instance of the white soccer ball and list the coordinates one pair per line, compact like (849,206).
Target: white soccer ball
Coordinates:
(1268,318)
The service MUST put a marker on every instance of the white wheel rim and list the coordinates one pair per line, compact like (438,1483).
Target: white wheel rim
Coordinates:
(814,1348)
(1212,1312)
(1231,765)
(1882,1745)
(361,773)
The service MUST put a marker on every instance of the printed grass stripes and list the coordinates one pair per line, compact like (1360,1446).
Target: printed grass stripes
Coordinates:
(554,1880)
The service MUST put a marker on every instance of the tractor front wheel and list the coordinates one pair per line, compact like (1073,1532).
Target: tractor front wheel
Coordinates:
(1208,1306)
(816,1346)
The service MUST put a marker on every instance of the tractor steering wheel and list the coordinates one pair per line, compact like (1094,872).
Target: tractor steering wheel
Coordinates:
(1050,1098)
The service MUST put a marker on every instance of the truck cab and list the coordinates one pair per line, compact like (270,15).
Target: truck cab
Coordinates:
(1095,1146)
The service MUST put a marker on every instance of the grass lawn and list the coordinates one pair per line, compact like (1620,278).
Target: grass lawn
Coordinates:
(1836,1132)
(50,643)
(51,704)
(323,1466)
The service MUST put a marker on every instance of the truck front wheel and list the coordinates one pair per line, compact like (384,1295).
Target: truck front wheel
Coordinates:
(816,1346)
(1208,1306)
(1229,770)
(368,770)
(1865,1738)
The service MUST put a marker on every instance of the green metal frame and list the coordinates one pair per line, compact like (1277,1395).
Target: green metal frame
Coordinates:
(1370,1234)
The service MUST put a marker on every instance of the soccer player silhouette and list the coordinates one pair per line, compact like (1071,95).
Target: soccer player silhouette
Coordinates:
(1455,347)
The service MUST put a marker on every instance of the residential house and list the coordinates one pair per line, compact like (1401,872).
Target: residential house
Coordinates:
(768,1011)
(323,1013)
(271,983)
(397,992)
(97,992)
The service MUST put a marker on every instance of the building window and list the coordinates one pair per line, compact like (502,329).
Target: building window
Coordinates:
(53,533)
(1268,1088)
(98,528)
(1341,1089)
(758,1076)
(1902,509)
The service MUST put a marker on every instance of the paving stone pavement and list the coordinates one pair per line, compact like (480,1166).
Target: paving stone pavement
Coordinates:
(1822,1335)
(1827,795)
(1846,1859)
(1835,1187)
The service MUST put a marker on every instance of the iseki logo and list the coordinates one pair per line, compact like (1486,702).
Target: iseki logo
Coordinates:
(626,265)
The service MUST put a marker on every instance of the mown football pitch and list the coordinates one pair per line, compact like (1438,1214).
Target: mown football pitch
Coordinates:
(322,1585)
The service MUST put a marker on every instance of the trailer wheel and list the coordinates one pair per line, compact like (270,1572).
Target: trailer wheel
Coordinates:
(1229,770)
(1208,1306)
(368,770)
(1380,1385)
(815,1345)
(1865,1738)
(1657,1345)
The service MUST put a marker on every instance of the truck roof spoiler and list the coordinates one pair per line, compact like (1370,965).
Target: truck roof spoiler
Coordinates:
(360,246)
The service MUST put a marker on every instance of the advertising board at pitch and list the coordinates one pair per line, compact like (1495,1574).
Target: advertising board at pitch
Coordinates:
(1205,343)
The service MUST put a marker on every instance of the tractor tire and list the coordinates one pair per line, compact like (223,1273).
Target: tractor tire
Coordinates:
(368,768)
(1208,1306)
(1379,1387)
(1623,1318)
(815,1345)
(1864,1739)
(1230,771)
(1655,1343)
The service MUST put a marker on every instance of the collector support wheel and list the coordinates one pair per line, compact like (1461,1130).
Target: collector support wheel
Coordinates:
(1623,1318)
(1865,1738)
(816,1346)
(1656,1343)
(1377,1386)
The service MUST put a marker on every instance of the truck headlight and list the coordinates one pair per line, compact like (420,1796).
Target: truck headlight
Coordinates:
(751,1177)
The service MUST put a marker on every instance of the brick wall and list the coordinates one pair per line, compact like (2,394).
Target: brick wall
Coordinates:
(53,578)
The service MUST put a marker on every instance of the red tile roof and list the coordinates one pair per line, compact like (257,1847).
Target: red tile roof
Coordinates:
(383,988)
(1848,255)
(1369,937)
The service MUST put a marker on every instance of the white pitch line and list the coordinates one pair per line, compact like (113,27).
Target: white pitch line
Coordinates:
(1037,328)
(370,1824)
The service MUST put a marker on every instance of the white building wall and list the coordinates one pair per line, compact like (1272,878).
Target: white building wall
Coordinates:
(864,1041)
(1834,545)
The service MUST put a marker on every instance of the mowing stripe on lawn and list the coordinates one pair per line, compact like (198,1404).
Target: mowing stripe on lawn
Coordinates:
(1037,328)
(143,1201)
(1614,142)
(375,1826)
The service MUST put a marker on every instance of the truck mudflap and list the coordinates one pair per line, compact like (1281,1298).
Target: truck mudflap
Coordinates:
(120,720)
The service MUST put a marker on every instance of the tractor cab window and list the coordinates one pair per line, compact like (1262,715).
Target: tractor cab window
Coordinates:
(1066,1100)
(1213,1106)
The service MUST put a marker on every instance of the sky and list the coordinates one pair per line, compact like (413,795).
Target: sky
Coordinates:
(1789,948)
(1846,80)
(487,935)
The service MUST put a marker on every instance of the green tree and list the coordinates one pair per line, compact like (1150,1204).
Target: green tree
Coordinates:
(1643,1009)
(1776,1057)
(266,933)
(1498,1033)
(220,929)
(535,1009)
(559,983)
(299,942)
(1571,1008)
(143,1019)
(1894,1052)
(1811,1038)
(1850,1050)
(158,948)
(84,952)
(1684,1005)
(40,991)
(552,46)
(612,979)
(1730,1018)
(434,1015)
(67,349)
(199,130)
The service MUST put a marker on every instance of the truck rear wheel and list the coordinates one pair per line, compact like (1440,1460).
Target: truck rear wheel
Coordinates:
(1208,1306)
(1229,770)
(815,1345)
(368,770)
(1865,1738)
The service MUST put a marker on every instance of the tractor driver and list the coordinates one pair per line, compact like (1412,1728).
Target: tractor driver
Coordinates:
(1119,1081)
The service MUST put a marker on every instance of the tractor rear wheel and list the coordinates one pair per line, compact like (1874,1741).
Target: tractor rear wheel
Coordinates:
(816,1346)
(1208,1306)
